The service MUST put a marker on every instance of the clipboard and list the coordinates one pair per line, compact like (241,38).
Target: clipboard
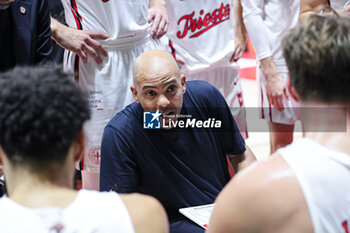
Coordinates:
(198,214)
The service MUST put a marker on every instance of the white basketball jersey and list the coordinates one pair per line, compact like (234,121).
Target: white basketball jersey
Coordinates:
(276,18)
(324,177)
(117,18)
(90,212)
(339,4)
(202,32)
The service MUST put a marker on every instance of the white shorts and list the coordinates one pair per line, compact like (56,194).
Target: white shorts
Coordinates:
(227,81)
(108,85)
(291,112)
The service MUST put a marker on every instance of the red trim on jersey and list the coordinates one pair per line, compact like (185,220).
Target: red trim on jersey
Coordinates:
(262,104)
(74,5)
(76,77)
(172,49)
(78,20)
(76,15)
(329,2)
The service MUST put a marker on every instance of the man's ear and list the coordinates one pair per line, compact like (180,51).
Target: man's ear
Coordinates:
(183,83)
(79,146)
(134,93)
(292,91)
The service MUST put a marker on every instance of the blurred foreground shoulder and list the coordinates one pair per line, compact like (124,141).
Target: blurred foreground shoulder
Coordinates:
(262,198)
(146,213)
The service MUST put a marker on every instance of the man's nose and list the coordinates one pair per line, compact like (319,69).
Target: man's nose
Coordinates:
(163,102)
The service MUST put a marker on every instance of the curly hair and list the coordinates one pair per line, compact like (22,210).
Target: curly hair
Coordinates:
(41,113)
(317,53)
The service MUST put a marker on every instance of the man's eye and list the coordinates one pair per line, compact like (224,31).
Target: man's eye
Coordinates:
(150,93)
(172,88)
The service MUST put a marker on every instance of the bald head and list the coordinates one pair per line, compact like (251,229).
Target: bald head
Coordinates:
(153,65)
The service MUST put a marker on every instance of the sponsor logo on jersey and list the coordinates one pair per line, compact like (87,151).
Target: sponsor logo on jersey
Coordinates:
(196,26)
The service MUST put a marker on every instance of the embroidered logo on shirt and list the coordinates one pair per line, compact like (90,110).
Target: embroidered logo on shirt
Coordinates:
(204,22)
(95,154)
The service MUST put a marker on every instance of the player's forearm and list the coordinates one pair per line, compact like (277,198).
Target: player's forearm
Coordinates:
(240,30)
(243,160)
(56,29)
(268,68)
(248,158)
(153,3)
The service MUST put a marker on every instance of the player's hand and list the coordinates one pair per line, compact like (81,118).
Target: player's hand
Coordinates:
(276,90)
(83,43)
(240,45)
(158,13)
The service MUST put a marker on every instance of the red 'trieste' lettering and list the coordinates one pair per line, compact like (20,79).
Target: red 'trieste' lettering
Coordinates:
(203,24)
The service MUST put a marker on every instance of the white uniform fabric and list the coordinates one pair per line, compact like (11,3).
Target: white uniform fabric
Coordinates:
(339,4)
(324,177)
(202,36)
(90,212)
(109,83)
(267,22)
(291,112)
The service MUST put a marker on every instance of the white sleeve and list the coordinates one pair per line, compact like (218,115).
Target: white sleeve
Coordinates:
(256,28)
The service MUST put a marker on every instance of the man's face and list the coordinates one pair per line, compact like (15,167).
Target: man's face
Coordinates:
(162,89)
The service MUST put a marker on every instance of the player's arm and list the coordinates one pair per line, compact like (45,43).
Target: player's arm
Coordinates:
(146,213)
(240,31)
(159,15)
(253,20)
(241,161)
(119,170)
(83,43)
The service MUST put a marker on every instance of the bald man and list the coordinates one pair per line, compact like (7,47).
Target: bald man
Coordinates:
(173,142)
